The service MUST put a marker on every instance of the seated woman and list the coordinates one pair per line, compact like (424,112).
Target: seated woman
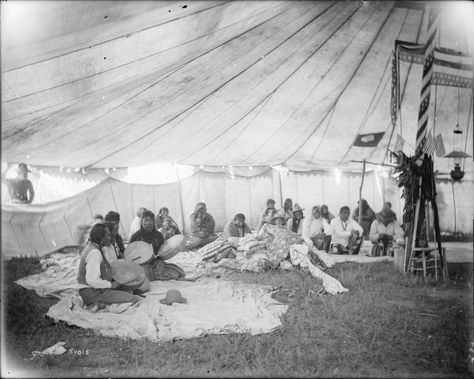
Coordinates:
(315,229)
(383,231)
(368,216)
(326,214)
(168,228)
(268,213)
(236,228)
(346,234)
(94,273)
(278,239)
(287,209)
(295,224)
(162,214)
(156,268)
(202,227)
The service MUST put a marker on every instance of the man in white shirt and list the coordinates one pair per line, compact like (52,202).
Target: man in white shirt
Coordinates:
(346,233)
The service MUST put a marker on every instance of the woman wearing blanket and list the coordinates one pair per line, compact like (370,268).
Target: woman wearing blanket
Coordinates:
(95,274)
(202,227)
(279,239)
(236,228)
(156,268)
(316,230)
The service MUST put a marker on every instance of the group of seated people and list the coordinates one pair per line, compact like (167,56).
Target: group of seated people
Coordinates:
(279,228)
(341,234)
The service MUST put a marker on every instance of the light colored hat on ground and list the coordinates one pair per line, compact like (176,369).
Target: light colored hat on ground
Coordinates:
(139,252)
(173,296)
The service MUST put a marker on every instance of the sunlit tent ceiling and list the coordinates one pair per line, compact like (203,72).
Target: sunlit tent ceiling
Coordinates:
(95,84)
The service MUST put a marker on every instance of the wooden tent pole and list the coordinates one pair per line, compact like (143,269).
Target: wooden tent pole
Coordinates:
(360,192)
(180,198)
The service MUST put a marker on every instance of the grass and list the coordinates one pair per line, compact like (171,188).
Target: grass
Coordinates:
(388,325)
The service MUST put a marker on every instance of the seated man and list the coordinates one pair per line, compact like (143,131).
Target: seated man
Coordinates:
(383,231)
(236,228)
(347,235)
(295,224)
(116,238)
(202,227)
(95,274)
(157,268)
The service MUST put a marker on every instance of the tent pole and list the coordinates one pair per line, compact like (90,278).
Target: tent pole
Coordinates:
(360,192)
(281,191)
(180,198)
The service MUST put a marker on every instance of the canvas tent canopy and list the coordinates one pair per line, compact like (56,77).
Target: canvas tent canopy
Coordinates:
(119,84)
(233,87)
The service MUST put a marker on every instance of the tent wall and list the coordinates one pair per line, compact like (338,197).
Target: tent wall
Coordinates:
(42,228)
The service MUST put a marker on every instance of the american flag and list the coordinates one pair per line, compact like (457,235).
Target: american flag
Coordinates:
(451,68)
(439,146)
(429,145)
(399,142)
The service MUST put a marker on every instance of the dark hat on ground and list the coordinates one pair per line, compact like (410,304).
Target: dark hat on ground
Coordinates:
(297,208)
(112,216)
(147,213)
(173,296)
(23,167)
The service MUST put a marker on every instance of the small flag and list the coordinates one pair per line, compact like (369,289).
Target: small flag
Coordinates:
(439,146)
(368,140)
(429,145)
(399,143)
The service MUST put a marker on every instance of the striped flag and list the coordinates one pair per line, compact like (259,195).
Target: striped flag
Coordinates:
(451,68)
(439,146)
(399,142)
(433,22)
(429,145)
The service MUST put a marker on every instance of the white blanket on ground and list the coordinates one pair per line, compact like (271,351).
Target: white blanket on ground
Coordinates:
(213,307)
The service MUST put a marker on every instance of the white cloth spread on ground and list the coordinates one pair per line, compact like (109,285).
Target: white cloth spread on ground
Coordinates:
(299,256)
(213,306)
